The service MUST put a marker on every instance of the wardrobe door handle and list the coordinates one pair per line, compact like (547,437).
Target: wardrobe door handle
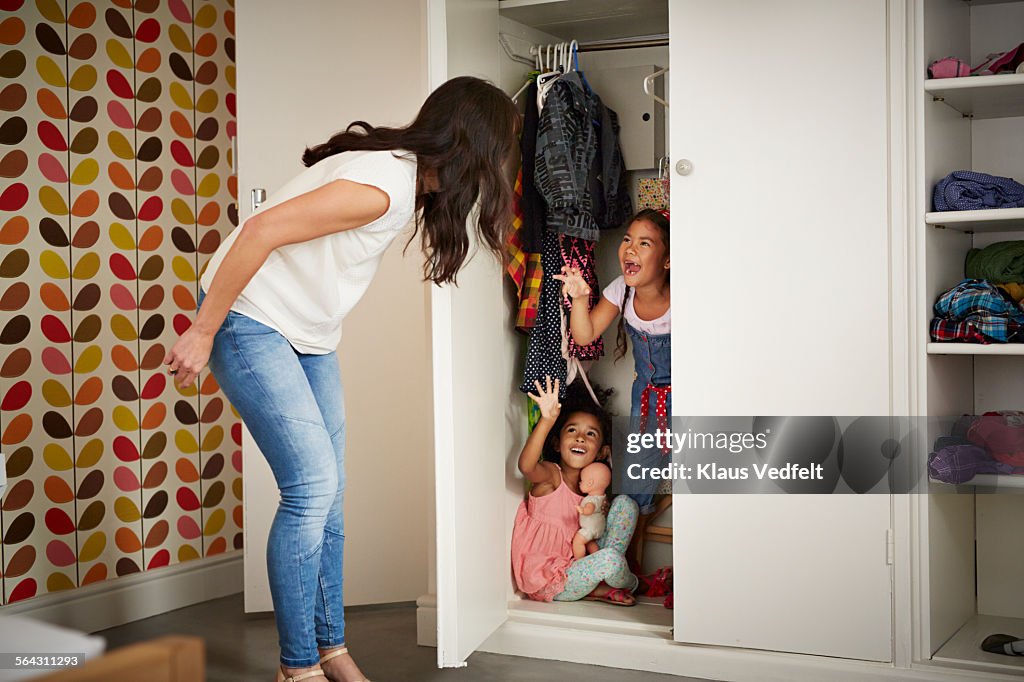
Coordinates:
(684,167)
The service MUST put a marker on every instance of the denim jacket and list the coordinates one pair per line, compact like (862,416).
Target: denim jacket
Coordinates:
(578,160)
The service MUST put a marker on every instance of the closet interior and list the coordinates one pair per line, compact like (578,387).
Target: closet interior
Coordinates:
(616,45)
(974,551)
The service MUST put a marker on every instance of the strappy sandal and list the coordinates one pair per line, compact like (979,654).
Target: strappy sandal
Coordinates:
(1001,644)
(334,653)
(616,597)
(281,677)
(657,584)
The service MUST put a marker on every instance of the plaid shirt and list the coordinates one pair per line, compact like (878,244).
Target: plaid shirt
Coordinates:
(976,311)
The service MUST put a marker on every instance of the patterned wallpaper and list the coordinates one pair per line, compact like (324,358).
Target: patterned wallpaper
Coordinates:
(116,186)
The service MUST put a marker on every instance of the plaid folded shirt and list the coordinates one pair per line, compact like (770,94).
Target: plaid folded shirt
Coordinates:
(976,311)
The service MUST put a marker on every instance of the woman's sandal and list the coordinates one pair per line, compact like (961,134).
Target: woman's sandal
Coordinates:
(334,653)
(616,596)
(281,677)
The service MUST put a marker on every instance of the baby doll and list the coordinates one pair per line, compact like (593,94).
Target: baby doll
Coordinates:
(594,480)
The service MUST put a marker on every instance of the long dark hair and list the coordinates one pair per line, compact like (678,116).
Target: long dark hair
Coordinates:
(464,132)
(659,220)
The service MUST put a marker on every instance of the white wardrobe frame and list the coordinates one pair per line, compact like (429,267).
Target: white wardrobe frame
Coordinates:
(909,532)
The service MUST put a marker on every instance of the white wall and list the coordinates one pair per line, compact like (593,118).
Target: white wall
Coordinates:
(305,70)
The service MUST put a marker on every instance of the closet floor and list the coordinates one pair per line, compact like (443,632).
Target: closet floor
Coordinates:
(965,645)
(648,618)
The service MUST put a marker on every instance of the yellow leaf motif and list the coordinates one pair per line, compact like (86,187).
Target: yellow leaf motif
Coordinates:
(126,510)
(51,74)
(86,172)
(56,457)
(53,265)
(52,200)
(180,96)
(182,212)
(183,269)
(215,523)
(207,102)
(50,10)
(186,442)
(121,237)
(187,553)
(209,185)
(87,266)
(84,79)
(56,394)
(123,328)
(213,439)
(89,360)
(236,488)
(120,145)
(206,16)
(119,55)
(90,454)
(181,40)
(93,547)
(125,419)
(57,582)
(229,75)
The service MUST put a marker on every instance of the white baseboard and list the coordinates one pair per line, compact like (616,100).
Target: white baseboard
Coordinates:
(426,620)
(123,600)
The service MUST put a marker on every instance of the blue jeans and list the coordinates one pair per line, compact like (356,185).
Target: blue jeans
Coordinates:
(292,404)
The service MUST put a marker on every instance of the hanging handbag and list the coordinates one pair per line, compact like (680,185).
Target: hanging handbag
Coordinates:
(653,192)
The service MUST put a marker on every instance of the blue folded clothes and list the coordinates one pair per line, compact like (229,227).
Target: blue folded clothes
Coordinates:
(965,190)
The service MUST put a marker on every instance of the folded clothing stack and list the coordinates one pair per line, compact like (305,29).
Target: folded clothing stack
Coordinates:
(965,190)
(977,311)
(990,444)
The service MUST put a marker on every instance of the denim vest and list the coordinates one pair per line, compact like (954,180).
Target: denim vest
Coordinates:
(652,358)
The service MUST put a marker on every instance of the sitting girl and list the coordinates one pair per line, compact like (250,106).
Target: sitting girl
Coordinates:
(547,521)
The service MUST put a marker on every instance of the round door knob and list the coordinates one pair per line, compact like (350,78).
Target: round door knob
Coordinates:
(684,166)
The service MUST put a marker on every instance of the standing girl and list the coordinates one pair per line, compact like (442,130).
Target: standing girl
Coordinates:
(271,305)
(642,297)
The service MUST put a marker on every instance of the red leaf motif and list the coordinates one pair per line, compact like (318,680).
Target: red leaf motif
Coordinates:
(54,329)
(58,522)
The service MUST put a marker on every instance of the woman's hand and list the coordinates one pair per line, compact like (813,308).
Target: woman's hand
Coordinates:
(573,283)
(188,356)
(547,399)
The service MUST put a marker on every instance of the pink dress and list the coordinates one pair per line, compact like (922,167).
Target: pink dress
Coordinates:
(542,542)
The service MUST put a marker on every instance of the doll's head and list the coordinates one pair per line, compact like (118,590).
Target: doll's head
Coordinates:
(595,479)
(582,433)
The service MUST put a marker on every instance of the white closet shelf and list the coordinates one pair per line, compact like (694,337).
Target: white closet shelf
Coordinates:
(953,348)
(991,220)
(997,481)
(981,96)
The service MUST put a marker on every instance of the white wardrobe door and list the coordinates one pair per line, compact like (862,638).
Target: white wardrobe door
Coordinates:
(781,307)
(469,327)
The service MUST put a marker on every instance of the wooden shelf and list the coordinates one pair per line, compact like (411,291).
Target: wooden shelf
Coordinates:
(981,96)
(991,220)
(953,348)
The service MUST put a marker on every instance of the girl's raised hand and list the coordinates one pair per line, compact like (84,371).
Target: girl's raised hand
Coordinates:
(573,283)
(547,398)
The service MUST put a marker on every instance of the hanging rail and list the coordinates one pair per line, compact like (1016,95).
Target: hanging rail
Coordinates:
(657,40)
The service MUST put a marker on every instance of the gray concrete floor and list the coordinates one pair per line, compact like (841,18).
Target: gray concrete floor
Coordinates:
(382,638)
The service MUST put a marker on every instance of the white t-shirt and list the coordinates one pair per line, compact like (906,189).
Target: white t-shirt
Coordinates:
(304,290)
(614,292)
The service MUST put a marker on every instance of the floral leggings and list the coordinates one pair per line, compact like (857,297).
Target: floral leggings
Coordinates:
(609,563)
